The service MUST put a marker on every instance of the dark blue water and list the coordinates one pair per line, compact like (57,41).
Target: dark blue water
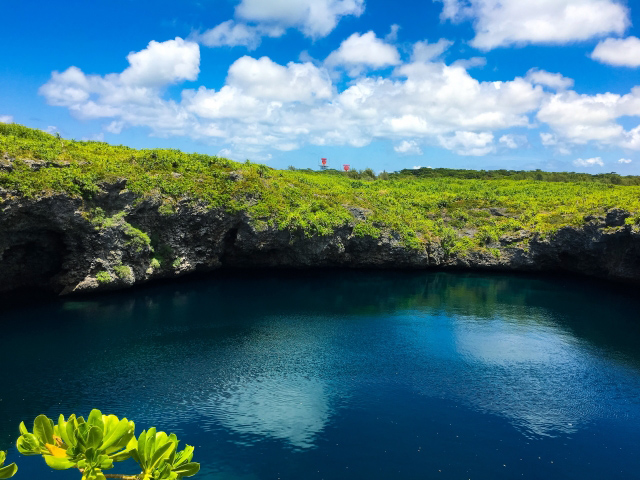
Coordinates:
(345,375)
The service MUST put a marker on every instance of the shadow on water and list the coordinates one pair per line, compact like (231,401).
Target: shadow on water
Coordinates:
(290,363)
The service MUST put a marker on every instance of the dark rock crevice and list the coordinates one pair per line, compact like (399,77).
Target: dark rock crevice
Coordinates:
(32,259)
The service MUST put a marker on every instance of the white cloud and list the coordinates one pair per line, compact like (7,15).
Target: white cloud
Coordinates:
(366,50)
(469,143)
(424,51)
(625,160)
(548,139)
(315,18)
(581,119)
(472,62)
(513,141)
(264,105)
(133,97)
(408,147)
(6,119)
(95,96)
(265,79)
(98,137)
(392,36)
(552,80)
(52,129)
(231,34)
(589,162)
(620,52)
(114,127)
(163,63)
(500,23)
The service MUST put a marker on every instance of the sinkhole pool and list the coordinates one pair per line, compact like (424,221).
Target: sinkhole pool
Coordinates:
(344,374)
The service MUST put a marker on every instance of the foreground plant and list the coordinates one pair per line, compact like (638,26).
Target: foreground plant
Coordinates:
(96,444)
(6,471)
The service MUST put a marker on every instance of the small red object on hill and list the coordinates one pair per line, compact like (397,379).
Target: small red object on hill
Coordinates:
(324,161)
(346,167)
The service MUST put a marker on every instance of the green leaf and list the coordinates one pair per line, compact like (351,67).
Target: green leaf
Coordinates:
(8,471)
(58,463)
(43,429)
(188,469)
(119,436)
(104,462)
(95,419)
(94,437)
(160,454)
(184,456)
(150,445)
(61,431)
(28,444)
(70,427)
(139,452)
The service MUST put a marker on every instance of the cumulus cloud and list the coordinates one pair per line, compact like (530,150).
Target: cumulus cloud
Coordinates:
(500,23)
(6,119)
(473,62)
(98,137)
(513,141)
(363,51)
(468,143)
(264,105)
(625,160)
(233,34)
(94,96)
(408,147)
(555,81)
(581,119)
(132,97)
(162,63)
(588,162)
(267,80)
(392,36)
(620,52)
(548,139)
(424,51)
(314,18)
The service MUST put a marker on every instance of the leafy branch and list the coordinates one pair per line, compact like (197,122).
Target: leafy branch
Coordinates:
(95,444)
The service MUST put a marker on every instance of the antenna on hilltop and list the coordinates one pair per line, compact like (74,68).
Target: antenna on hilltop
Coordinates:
(324,164)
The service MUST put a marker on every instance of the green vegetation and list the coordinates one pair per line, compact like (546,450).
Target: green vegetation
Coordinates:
(6,471)
(462,210)
(136,237)
(123,271)
(94,445)
(539,175)
(103,277)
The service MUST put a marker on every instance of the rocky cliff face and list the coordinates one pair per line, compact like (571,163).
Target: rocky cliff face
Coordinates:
(58,243)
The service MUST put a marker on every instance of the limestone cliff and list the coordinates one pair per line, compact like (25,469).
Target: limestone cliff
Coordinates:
(51,242)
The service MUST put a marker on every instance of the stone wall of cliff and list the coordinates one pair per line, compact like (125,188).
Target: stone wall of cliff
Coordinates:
(51,242)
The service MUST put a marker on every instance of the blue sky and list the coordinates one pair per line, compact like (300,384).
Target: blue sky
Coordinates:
(550,84)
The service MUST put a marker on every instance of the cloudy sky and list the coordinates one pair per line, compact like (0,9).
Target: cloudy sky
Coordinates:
(551,84)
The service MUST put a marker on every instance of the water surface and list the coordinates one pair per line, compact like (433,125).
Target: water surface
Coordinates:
(353,375)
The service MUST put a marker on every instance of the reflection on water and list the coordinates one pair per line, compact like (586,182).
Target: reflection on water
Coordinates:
(511,365)
(294,409)
(346,374)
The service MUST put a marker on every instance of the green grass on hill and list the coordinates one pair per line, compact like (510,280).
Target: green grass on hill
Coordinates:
(461,209)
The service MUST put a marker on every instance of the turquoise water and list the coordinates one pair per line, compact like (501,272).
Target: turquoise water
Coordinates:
(345,375)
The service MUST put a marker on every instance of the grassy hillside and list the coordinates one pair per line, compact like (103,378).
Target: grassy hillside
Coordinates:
(460,209)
